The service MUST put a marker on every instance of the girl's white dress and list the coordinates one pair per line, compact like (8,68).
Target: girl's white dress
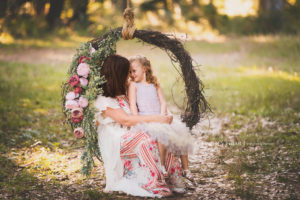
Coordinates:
(131,158)
(175,136)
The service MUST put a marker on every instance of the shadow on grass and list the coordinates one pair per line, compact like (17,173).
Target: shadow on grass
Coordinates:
(17,183)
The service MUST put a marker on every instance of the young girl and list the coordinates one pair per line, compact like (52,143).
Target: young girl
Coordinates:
(146,98)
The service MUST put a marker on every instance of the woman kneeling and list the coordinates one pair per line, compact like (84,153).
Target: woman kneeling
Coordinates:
(131,158)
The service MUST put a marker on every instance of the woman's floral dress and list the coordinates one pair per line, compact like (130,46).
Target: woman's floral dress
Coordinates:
(131,158)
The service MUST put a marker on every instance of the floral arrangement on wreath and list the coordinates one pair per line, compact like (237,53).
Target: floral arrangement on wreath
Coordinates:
(80,91)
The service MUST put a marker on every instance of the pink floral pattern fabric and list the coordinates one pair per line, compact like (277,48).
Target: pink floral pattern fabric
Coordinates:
(139,153)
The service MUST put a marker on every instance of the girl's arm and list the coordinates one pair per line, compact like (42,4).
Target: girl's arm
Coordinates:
(132,98)
(163,104)
(121,117)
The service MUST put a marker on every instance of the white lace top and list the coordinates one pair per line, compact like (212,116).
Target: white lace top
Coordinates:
(102,103)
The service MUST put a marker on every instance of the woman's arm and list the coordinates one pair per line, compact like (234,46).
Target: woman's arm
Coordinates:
(120,116)
(163,104)
(132,98)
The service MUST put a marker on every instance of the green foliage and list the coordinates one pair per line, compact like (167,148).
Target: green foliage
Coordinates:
(94,18)
(105,48)
(264,23)
(21,26)
(291,18)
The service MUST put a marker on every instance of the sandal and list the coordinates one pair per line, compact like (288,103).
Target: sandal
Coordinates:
(177,185)
(187,174)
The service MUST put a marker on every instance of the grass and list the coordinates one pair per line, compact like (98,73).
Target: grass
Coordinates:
(259,92)
(253,91)
(29,104)
(279,52)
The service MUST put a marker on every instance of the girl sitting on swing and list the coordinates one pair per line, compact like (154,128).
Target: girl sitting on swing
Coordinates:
(146,98)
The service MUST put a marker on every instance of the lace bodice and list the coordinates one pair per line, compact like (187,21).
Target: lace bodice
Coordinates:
(102,103)
(147,99)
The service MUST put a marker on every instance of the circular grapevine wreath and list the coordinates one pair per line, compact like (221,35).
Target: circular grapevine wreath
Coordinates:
(85,80)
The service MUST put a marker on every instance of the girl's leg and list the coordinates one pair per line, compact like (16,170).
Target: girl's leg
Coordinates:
(184,162)
(185,165)
(175,172)
(162,152)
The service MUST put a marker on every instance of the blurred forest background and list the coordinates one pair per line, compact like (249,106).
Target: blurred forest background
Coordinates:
(37,18)
(246,52)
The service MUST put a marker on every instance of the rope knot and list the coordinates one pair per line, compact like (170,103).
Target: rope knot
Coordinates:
(128,26)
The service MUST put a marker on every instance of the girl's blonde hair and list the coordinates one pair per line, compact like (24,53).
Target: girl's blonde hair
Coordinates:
(150,78)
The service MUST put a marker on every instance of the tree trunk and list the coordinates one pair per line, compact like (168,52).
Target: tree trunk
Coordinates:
(80,12)
(168,7)
(272,13)
(124,4)
(272,5)
(211,13)
(56,7)
(196,3)
(3,6)
(39,6)
(14,6)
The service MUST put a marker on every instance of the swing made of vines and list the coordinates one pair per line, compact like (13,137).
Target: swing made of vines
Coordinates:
(84,81)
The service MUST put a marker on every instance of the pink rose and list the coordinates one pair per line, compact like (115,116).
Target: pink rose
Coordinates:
(83,102)
(74,80)
(79,132)
(71,104)
(77,115)
(82,59)
(71,95)
(83,69)
(77,90)
(92,50)
(77,120)
(83,81)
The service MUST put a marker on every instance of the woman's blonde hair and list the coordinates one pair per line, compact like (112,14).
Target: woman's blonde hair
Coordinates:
(150,78)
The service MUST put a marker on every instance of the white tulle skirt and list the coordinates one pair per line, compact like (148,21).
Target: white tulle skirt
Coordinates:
(176,137)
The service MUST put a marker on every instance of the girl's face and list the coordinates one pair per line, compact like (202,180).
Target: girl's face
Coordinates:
(137,72)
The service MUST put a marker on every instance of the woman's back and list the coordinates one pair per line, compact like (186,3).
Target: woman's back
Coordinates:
(147,99)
